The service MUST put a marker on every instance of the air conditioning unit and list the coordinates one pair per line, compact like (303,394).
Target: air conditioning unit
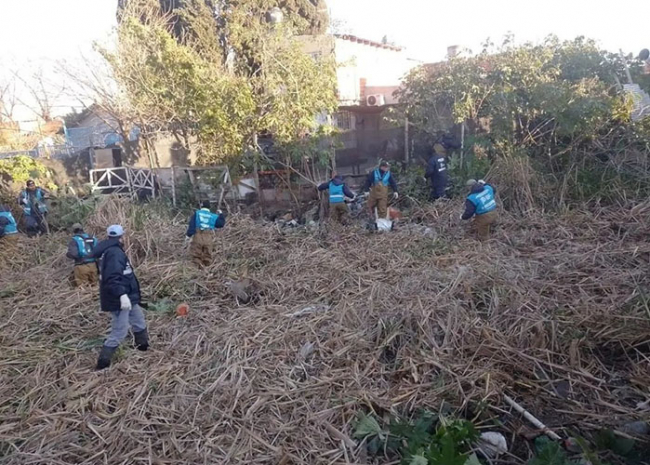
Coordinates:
(375,100)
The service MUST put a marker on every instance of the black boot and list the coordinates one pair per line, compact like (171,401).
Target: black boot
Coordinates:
(105,356)
(141,340)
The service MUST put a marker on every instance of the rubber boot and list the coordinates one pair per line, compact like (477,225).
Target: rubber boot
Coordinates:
(105,356)
(141,340)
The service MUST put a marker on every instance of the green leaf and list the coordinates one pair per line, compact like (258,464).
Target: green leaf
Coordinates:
(418,460)
(367,426)
(472,460)
(549,453)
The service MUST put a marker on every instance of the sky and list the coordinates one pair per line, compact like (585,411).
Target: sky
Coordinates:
(37,33)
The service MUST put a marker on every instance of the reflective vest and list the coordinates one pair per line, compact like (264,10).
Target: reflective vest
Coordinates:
(85,246)
(12,227)
(38,197)
(336,193)
(206,220)
(378,177)
(484,201)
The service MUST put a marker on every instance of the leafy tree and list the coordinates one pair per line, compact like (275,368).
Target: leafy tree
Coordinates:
(553,100)
(221,82)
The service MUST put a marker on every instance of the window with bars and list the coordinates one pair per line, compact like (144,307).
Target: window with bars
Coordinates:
(344,120)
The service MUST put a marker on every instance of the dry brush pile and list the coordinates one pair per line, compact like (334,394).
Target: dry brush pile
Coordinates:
(553,312)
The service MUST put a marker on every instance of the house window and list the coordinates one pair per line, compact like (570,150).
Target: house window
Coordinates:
(344,120)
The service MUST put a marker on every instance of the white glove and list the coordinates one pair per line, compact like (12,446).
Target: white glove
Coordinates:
(188,239)
(395,195)
(125,303)
(480,181)
(461,217)
(219,212)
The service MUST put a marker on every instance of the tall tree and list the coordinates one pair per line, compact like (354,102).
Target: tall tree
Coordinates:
(220,81)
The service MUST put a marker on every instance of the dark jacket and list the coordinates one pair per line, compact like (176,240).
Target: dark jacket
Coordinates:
(437,172)
(191,227)
(370,181)
(116,276)
(337,180)
(470,208)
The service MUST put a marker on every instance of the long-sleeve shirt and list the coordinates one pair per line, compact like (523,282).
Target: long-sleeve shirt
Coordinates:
(337,181)
(370,181)
(470,208)
(191,227)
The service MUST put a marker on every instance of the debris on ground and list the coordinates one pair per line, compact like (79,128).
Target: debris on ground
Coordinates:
(403,330)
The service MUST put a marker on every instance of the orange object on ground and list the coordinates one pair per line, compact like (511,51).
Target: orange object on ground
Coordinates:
(182,310)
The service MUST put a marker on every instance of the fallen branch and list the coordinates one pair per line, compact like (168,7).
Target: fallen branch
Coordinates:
(529,416)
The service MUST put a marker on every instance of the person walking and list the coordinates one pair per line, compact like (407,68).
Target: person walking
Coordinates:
(80,249)
(338,191)
(481,205)
(119,295)
(200,232)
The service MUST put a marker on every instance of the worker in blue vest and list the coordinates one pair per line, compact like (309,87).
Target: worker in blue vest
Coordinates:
(32,200)
(481,204)
(8,228)
(80,249)
(338,191)
(200,232)
(378,181)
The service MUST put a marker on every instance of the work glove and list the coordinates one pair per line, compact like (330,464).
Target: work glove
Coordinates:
(219,212)
(461,217)
(480,181)
(395,195)
(125,303)
(187,241)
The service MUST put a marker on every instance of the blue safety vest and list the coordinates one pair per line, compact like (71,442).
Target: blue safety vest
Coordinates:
(38,196)
(336,193)
(85,246)
(484,201)
(383,179)
(12,227)
(206,220)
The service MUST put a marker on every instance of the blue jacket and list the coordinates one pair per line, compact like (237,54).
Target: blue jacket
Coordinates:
(8,224)
(481,200)
(116,275)
(216,223)
(26,199)
(337,181)
(376,177)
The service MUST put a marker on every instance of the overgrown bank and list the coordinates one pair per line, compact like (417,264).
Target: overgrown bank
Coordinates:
(552,312)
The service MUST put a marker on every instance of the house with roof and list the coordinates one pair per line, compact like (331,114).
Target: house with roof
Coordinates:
(368,74)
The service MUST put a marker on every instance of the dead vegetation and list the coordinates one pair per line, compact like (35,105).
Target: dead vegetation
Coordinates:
(552,312)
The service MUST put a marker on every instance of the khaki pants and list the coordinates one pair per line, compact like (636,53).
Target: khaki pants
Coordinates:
(378,198)
(339,212)
(201,248)
(85,274)
(483,224)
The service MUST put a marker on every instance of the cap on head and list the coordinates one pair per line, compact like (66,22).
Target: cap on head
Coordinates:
(115,231)
(384,164)
(471,182)
(205,204)
(77,227)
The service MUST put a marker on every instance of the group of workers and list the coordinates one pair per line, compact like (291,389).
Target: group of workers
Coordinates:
(479,205)
(107,263)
